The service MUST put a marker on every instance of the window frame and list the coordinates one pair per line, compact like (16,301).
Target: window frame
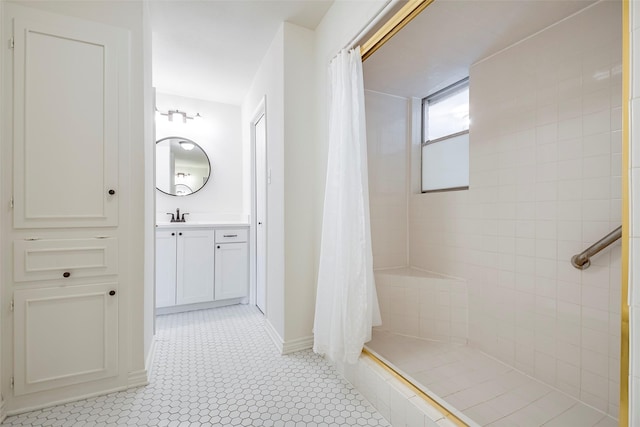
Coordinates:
(436,96)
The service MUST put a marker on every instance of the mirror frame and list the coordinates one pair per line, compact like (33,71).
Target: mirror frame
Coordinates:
(203,152)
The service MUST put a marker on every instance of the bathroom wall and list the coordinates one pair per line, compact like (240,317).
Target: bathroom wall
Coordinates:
(219,134)
(545,167)
(387,128)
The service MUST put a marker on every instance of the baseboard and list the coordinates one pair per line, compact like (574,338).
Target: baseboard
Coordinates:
(275,337)
(137,378)
(197,306)
(65,401)
(152,352)
(3,412)
(298,344)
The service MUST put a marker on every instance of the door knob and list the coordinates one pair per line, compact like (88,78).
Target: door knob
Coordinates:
(259,223)
(112,192)
(112,293)
(218,246)
(66,274)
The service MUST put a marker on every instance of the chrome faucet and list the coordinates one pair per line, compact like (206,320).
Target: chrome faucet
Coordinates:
(176,217)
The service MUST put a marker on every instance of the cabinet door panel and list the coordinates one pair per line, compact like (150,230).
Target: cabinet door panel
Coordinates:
(64,336)
(232,274)
(195,266)
(65,123)
(165,268)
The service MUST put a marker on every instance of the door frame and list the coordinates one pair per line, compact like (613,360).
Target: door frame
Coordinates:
(260,112)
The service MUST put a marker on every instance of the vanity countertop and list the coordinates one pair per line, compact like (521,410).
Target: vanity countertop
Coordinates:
(200,224)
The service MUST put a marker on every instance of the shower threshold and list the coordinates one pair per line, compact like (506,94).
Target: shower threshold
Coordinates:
(490,393)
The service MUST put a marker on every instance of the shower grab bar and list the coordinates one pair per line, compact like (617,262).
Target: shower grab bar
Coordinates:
(582,260)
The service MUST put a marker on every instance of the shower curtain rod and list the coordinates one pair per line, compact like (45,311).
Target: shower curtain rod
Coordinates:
(388,5)
(391,27)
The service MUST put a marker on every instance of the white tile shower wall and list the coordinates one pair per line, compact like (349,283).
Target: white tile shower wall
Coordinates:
(545,179)
(423,305)
(387,123)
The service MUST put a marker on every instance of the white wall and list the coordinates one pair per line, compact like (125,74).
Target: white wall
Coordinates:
(285,78)
(219,133)
(387,136)
(545,179)
(269,82)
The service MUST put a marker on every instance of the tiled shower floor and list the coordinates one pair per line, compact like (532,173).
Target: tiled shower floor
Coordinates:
(219,368)
(485,390)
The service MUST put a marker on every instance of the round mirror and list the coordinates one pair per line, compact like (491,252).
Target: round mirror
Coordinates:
(182,166)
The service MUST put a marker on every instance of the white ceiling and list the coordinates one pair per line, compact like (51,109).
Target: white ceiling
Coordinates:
(437,48)
(211,49)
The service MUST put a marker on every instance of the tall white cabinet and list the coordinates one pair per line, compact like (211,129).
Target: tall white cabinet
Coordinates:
(200,266)
(65,244)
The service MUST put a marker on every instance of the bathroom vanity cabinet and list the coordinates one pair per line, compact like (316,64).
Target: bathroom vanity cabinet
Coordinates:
(200,267)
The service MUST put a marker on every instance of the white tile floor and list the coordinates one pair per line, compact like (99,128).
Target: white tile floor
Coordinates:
(485,390)
(218,368)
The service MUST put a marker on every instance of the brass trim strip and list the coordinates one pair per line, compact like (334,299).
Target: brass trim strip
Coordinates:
(624,288)
(392,26)
(444,411)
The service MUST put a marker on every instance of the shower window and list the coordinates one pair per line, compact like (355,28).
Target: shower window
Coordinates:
(445,147)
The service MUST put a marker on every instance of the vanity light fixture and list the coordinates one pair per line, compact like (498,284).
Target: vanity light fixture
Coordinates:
(187,145)
(183,115)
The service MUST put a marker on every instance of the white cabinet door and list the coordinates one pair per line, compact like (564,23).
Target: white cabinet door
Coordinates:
(64,336)
(165,268)
(195,266)
(65,125)
(232,274)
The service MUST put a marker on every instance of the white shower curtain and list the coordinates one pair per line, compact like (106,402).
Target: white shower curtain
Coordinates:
(346,301)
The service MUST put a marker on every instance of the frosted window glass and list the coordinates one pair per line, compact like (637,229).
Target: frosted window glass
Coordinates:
(448,115)
(445,164)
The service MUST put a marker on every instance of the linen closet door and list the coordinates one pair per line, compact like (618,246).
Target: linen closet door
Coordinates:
(69,98)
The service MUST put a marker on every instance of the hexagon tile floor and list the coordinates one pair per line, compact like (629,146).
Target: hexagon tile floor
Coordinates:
(218,367)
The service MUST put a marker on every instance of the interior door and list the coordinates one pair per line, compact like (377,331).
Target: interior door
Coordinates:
(261,213)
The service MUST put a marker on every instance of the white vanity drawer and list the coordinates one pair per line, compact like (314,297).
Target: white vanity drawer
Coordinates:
(232,235)
(51,259)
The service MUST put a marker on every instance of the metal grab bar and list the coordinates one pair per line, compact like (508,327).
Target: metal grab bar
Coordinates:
(582,261)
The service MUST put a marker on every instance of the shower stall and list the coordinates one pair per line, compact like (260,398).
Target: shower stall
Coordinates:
(481,306)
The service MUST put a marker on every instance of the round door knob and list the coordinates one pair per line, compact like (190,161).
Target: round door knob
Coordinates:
(218,246)
(173,234)
(66,274)
(259,223)
(112,293)
(112,192)
(180,234)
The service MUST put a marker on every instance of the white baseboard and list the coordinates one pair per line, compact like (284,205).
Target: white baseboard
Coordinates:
(64,401)
(273,334)
(298,344)
(152,352)
(137,379)
(3,412)
(287,347)
(197,306)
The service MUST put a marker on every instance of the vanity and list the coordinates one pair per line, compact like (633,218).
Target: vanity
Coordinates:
(201,265)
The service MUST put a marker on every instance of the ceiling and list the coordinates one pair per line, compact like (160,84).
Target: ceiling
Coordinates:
(211,49)
(438,47)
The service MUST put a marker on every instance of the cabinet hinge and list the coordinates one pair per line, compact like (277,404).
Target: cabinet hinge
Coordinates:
(12,382)
(12,43)
(11,305)
(11,202)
